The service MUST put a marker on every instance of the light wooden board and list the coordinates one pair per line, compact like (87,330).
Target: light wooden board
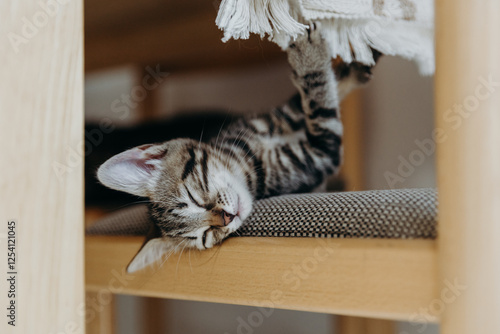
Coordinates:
(468,114)
(374,278)
(41,187)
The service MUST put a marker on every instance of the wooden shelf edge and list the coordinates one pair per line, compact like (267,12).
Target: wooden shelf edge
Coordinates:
(389,279)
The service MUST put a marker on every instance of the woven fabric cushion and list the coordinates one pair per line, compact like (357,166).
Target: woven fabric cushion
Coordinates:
(405,213)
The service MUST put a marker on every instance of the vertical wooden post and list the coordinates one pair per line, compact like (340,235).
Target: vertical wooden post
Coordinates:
(102,319)
(352,117)
(468,122)
(154,313)
(353,174)
(41,187)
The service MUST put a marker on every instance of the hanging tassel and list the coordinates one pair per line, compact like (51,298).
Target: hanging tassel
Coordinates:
(351,39)
(239,18)
(350,34)
(233,18)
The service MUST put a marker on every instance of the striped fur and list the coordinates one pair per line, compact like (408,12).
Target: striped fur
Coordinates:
(202,192)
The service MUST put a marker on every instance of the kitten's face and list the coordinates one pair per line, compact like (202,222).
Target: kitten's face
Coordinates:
(198,196)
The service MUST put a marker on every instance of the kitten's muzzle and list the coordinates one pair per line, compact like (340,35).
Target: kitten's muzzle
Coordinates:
(221,218)
(227,217)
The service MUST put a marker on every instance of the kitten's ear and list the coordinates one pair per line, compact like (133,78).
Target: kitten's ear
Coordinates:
(133,171)
(151,251)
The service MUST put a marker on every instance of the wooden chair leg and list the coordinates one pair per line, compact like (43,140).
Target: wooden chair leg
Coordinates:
(468,118)
(100,316)
(41,187)
(356,325)
(352,116)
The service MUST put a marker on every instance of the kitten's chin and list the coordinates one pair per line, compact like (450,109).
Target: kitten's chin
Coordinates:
(243,213)
(245,200)
(234,225)
(245,204)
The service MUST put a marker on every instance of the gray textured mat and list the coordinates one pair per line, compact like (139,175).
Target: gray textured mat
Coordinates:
(405,213)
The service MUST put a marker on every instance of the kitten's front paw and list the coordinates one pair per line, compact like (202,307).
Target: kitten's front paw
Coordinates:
(309,51)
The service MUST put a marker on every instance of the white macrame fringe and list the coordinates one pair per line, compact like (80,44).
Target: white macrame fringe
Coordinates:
(349,36)
(239,18)
(352,39)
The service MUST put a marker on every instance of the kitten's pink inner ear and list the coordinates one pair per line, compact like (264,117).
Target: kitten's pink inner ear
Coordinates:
(132,171)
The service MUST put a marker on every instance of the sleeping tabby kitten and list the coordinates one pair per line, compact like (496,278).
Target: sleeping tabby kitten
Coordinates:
(200,193)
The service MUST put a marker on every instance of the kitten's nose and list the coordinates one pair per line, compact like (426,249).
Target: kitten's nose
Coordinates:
(227,217)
